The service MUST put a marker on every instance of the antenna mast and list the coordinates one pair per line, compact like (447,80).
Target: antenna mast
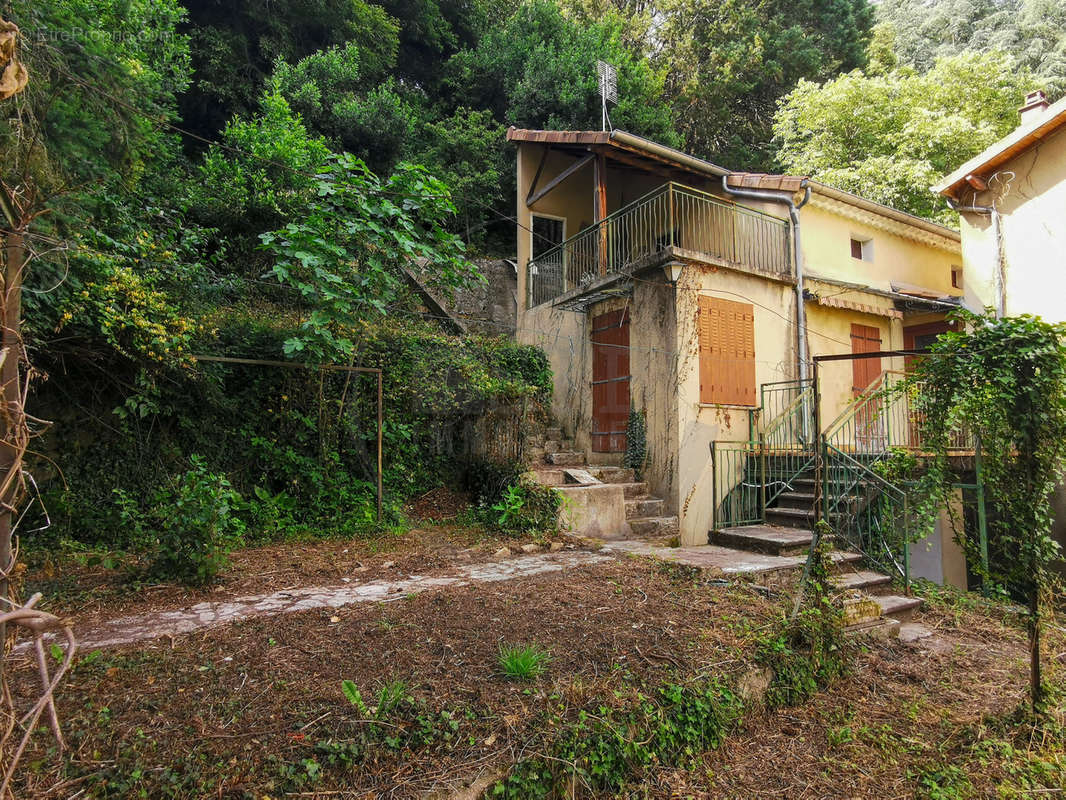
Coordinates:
(608,80)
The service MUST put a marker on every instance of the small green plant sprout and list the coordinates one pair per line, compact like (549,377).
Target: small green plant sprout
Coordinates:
(523,662)
(389,696)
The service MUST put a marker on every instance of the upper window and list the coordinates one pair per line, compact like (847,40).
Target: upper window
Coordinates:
(956,277)
(548,232)
(862,249)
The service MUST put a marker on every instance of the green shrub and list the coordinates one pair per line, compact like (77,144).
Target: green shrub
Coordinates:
(606,746)
(810,650)
(197,526)
(528,507)
(298,445)
(487,480)
(523,662)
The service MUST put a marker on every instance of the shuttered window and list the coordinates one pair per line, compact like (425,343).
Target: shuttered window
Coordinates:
(727,352)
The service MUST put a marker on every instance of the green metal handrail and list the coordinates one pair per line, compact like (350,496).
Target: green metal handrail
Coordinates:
(867,511)
(748,476)
(671,216)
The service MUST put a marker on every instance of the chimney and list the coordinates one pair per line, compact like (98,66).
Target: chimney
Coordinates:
(1035,104)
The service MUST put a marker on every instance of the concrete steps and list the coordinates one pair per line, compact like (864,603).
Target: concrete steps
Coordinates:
(897,606)
(644,507)
(866,581)
(870,608)
(802,518)
(772,540)
(653,527)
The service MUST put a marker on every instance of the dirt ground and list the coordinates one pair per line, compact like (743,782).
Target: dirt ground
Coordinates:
(257,710)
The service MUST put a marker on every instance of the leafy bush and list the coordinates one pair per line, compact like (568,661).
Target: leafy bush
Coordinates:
(810,651)
(527,507)
(197,525)
(667,725)
(298,445)
(523,662)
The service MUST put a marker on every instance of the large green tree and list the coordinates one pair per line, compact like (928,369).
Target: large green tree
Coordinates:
(1032,31)
(889,137)
(537,70)
(235,46)
(728,62)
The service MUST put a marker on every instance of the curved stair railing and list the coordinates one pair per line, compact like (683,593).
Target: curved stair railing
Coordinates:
(858,500)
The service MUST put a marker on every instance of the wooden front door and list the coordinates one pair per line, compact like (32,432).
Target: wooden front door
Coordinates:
(864,371)
(610,381)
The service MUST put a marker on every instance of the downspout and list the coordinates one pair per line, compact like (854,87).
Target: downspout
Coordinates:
(793,213)
(999,287)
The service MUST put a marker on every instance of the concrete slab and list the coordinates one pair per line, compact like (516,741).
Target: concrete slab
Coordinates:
(580,476)
(771,539)
(723,559)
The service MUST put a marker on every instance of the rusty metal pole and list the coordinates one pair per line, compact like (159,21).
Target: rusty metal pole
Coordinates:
(380,415)
(10,414)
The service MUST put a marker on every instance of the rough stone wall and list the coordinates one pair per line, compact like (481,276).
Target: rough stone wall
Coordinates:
(490,308)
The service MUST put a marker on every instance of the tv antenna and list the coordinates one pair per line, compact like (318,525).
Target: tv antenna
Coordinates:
(608,79)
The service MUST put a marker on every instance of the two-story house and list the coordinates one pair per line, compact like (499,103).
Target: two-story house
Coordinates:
(661,282)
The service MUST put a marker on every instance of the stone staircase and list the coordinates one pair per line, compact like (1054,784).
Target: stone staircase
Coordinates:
(556,463)
(870,604)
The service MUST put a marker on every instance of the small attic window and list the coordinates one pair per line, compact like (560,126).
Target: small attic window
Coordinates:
(862,249)
(956,277)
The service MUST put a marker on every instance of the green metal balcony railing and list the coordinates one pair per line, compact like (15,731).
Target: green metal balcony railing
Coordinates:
(672,216)
(885,417)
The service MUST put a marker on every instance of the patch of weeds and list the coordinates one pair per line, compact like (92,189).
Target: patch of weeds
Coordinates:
(837,737)
(946,782)
(811,649)
(523,662)
(391,719)
(604,747)
(527,507)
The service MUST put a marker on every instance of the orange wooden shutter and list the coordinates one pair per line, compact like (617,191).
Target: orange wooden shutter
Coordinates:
(727,352)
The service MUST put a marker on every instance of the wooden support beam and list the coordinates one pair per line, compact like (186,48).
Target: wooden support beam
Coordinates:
(562,176)
(536,177)
(599,207)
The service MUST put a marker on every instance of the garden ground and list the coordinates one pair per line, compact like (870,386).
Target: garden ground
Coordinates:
(259,709)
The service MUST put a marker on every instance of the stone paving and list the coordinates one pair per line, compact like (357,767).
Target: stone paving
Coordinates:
(126,630)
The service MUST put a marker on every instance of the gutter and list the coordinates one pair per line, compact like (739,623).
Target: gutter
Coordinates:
(999,287)
(793,213)
(639,143)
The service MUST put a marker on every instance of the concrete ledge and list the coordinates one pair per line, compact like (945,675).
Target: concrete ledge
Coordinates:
(597,511)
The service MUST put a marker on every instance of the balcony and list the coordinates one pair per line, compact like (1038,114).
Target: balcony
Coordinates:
(673,221)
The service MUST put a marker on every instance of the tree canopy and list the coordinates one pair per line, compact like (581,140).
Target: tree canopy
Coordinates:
(890,136)
(1033,32)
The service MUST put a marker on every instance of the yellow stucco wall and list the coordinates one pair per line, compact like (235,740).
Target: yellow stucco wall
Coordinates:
(1030,194)
(698,424)
(827,228)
